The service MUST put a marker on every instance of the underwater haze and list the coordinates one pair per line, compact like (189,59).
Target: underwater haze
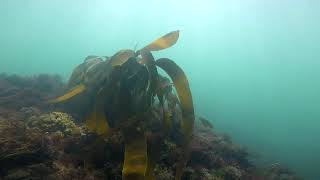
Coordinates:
(253,65)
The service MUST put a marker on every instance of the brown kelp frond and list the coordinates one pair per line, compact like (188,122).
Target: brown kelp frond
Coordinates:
(97,121)
(121,57)
(135,157)
(182,86)
(163,42)
(149,62)
(88,75)
(73,92)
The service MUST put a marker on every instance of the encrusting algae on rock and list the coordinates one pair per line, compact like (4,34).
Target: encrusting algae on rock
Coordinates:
(53,122)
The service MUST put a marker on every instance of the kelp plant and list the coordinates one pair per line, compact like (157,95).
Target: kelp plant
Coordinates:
(122,90)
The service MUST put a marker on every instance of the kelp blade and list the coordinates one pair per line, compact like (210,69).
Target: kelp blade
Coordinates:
(182,86)
(150,169)
(163,42)
(135,157)
(150,63)
(97,121)
(121,57)
(73,92)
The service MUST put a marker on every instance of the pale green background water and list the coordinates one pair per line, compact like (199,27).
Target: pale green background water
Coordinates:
(253,65)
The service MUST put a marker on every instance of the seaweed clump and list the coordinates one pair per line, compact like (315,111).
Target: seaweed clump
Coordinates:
(123,90)
(53,122)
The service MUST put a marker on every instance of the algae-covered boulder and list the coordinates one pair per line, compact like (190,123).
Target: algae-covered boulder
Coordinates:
(53,122)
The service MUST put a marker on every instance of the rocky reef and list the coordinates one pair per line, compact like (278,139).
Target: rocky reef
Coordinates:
(17,92)
(39,142)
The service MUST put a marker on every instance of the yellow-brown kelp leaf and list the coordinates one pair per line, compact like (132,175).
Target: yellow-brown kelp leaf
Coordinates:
(167,121)
(77,76)
(79,73)
(163,42)
(97,121)
(154,87)
(135,157)
(182,86)
(150,169)
(121,57)
(73,92)
(150,63)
